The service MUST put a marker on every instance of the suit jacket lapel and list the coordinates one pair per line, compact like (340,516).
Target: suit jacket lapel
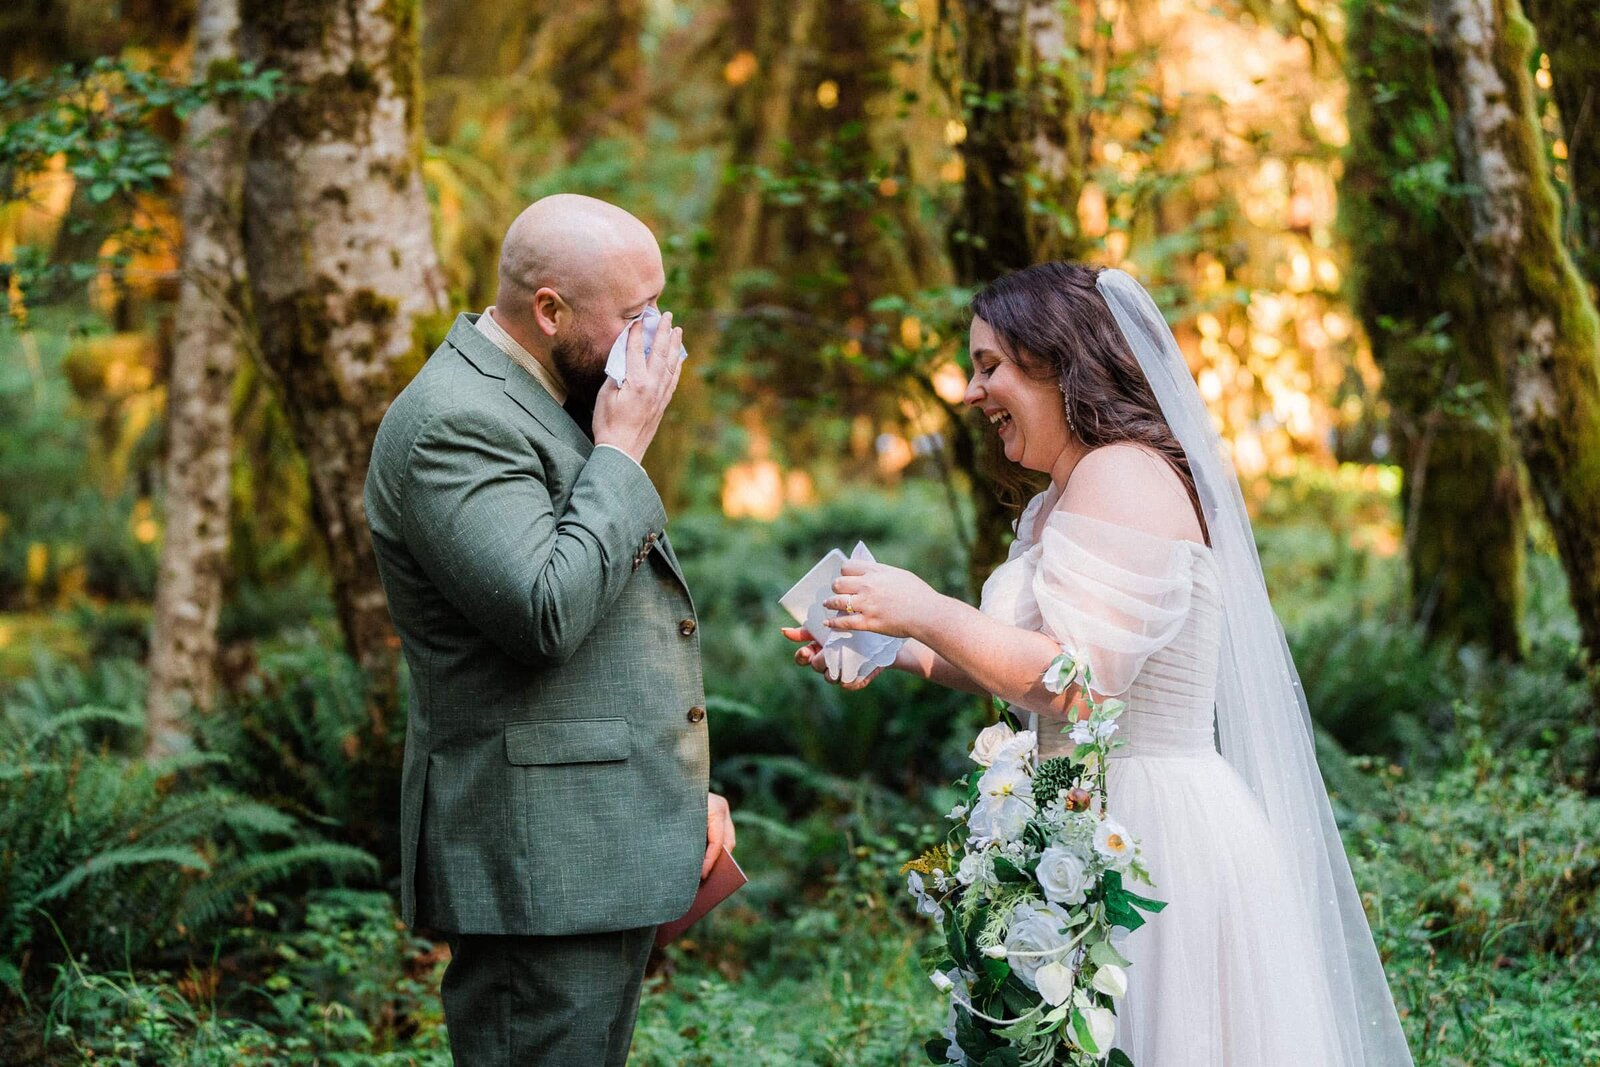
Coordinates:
(520,386)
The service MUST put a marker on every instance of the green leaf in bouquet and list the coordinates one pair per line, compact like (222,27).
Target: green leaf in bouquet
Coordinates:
(1105,954)
(1006,871)
(1081,1033)
(1017,998)
(935,1048)
(972,1037)
(1118,1058)
(997,971)
(954,939)
(1002,1057)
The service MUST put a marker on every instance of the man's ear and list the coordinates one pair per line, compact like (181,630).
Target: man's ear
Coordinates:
(550,312)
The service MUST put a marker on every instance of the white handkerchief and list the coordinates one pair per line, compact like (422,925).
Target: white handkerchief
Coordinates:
(617,362)
(848,654)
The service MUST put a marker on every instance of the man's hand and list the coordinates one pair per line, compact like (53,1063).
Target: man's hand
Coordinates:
(719,827)
(627,417)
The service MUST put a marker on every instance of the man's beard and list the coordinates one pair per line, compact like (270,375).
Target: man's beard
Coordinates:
(584,373)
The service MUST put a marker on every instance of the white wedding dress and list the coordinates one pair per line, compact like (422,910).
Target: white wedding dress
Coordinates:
(1226,975)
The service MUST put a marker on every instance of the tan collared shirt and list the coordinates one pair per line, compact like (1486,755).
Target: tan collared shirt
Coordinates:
(545,376)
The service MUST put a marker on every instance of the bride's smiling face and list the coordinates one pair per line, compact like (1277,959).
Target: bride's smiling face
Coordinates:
(1025,411)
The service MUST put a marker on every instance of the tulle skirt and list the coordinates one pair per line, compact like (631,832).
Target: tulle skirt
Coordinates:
(1225,975)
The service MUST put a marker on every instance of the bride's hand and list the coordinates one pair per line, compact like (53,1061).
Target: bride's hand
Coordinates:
(886,600)
(810,655)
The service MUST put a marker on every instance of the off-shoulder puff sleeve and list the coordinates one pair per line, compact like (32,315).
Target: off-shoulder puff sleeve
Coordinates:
(1111,595)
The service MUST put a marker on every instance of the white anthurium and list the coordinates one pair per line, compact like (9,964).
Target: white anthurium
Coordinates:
(1054,981)
(1111,980)
(989,741)
(1063,875)
(1102,1027)
(1113,842)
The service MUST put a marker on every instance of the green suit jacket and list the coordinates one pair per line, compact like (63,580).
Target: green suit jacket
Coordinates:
(556,756)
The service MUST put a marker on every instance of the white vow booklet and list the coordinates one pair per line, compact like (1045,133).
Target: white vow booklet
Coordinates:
(849,655)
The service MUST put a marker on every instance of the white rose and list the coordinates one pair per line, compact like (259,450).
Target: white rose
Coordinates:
(1035,939)
(1111,980)
(1055,983)
(1062,875)
(1114,843)
(989,741)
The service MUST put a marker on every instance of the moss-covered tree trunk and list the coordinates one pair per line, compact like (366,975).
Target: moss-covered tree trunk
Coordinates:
(1412,283)
(212,311)
(1025,156)
(1569,33)
(1540,318)
(342,264)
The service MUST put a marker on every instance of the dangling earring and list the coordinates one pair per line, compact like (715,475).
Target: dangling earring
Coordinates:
(1066,405)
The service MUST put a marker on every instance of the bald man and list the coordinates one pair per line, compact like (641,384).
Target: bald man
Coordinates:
(554,809)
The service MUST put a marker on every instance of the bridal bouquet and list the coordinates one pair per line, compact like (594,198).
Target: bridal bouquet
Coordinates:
(1027,889)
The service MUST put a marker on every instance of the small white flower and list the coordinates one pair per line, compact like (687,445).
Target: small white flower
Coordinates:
(976,870)
(1082,733)
(1111,980)
(941,981)
(1114,843)
(1054,981)
(926,905)
(1063,875)
(1062,672)
(957,811)
(989,741)
(1018,748)
(941,881)
(995,952)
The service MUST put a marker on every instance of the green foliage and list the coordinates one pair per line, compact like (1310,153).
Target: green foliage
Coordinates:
(349,987)
(896,731)
(101,119)
(128,856)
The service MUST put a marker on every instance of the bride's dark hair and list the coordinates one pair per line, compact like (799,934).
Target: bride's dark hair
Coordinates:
(1054,324)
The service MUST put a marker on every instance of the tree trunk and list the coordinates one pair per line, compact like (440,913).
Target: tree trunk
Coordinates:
(1569,33)
(1026,146)
(210,316)
(1025,156)
(342,264)
(1412,283)
(1541,321)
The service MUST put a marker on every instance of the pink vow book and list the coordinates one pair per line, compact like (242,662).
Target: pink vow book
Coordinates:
(719,885)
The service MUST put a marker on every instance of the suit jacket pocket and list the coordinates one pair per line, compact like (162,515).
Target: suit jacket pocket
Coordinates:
(551,741)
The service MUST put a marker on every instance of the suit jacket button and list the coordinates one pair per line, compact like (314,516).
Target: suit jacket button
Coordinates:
(687,627)
(697,713)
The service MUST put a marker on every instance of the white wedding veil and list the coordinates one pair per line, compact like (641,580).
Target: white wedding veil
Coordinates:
(1263,722)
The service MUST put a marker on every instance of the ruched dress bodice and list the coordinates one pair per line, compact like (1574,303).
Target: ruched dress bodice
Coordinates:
(1144,612)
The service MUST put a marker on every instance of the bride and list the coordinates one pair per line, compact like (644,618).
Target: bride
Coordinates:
(1139,561)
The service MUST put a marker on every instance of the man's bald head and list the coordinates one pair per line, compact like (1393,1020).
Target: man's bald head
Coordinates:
(574,271)
(572,244)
